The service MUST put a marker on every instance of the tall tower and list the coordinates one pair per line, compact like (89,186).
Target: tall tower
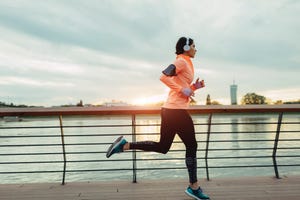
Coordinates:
(233,93)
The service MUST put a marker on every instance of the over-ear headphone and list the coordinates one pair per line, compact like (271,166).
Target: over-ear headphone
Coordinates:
(187,47)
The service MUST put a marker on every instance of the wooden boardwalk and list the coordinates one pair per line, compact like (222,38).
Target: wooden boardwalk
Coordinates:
(265,188)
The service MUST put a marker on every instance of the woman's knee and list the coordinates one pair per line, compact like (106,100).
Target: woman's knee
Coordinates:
(164,150)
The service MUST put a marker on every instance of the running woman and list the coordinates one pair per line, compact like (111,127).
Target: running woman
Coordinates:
(175,118)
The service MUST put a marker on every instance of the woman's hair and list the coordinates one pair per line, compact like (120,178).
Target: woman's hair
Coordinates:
(180,44)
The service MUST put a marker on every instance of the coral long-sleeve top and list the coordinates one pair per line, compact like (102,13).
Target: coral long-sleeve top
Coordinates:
(183,79)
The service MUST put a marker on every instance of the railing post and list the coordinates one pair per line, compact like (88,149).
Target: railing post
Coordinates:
(63,148)
(276,145)
(207,145)
(134,164)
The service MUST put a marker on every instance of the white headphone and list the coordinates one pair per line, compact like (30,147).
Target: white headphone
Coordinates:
(187,47)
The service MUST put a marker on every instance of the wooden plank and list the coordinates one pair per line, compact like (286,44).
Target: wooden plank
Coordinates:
(246,188)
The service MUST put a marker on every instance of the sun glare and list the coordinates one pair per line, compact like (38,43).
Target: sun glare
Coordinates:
(142,101)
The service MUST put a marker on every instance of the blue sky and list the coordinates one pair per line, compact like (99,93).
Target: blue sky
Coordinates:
(57,52)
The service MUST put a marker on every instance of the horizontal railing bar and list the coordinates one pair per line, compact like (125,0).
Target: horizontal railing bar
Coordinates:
(99,152)
(266,140)
(175,142)
(126,160)
(87,135)
(128,134)
(247,157)
(249,166)
(246,123)
(250,132)
(31,172)
(148,159)
(135,110)
(142,169)
(30,145)
(48,127)
(212,149)
(249,149)
(31,162)
(228,166)
(141,125)
(109,135)
(125,125)
(32,154)
(120,169)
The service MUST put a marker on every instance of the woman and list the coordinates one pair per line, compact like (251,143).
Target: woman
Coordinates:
(175,118)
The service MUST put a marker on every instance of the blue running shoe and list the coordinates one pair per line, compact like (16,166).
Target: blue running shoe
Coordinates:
(196,194)
(116,147)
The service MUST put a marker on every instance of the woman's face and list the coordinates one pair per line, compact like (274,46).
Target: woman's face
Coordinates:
(192,51)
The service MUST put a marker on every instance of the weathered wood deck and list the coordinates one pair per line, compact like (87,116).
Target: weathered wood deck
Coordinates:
(264,188)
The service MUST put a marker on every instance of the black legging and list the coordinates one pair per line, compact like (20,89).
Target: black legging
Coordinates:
(175,121)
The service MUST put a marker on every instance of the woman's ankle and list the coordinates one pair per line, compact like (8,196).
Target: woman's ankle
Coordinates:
(194,186)
(126,146)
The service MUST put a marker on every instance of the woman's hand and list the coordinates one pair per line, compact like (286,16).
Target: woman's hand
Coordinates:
(199,84)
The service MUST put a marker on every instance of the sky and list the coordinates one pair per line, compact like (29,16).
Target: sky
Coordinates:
(57,52)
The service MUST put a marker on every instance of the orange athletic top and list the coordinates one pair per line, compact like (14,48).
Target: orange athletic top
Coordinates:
(183,79)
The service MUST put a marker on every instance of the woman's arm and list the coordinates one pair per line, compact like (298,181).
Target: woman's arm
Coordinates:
(169,81)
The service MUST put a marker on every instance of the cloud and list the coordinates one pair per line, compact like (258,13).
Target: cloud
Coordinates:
(117,49)
(251,32)
(25,82)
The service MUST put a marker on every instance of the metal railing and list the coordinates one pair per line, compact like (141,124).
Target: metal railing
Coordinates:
(215,134)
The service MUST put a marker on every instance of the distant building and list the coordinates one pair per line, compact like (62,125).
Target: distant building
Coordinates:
(208,101)
(115,103)
(233,94)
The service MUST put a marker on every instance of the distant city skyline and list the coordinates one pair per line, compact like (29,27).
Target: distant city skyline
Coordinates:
(58,53)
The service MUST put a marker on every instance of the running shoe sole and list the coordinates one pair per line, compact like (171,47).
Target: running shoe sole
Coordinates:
(113,145)
(191,195)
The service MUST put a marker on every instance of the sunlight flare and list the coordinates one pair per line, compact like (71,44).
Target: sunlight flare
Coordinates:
(151,100)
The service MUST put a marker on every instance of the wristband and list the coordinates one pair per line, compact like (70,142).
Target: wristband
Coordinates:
(187,92)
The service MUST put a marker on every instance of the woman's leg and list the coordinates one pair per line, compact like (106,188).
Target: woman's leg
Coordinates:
(167,134)
(186,133)
(180,122)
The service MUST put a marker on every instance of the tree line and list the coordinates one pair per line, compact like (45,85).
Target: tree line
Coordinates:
(253,98)
(2,104)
